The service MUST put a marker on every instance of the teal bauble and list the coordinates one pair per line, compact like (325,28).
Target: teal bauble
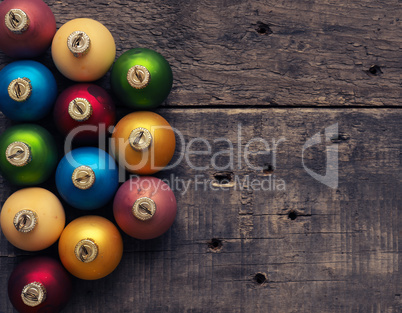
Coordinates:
(87,178)
(28,91)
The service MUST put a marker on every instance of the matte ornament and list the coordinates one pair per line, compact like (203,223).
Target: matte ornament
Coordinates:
(85,112)
(32,219)
(28,154)
(83,50)
(28,90)
(143,142)
(90,247)
(39,284)
(87,178)
(141,78)
(27,28)
(144,207)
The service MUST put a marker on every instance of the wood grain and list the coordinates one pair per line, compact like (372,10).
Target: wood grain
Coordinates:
(339,254)
(260,53)
(282,71)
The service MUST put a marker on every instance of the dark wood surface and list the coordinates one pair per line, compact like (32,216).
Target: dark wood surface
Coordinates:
(282,71)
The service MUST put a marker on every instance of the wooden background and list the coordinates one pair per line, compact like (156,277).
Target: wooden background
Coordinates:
(279,69)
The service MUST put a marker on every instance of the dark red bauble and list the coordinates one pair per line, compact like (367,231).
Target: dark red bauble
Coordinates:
(84,112)
(27,28)
(144,207)
(37,278)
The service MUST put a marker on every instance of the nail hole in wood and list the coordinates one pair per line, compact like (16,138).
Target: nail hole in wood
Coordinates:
(215,244)
(375,70)
(267,169)
(223,178)
(263,28)
(260,278)
(339,138)
(292,215)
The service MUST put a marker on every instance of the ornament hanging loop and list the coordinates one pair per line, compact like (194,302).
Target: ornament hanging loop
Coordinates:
(140,139)
(86,250)
(20,89)
(138,77)
(33,294)
(83,177)
(25,221)
(17,21)
(144,208)
(80,109)
(79,43)
(18,154)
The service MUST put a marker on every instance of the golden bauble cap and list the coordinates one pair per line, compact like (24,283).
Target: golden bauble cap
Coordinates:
(33,294)
(20,89)
(25,221)
(144,208)
(83,177)
(86,250)
(140,138)
(79,43)
(18,153)
(80,109)
(17,21)
(138,77)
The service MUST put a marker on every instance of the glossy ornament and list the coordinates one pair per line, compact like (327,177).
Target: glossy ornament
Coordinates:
(83,50)
(88,107)
(143,142)
(87,178)
(27,28)
(90,247)
(27,90)
(28,154)
(141,78)
(32,219)
(39,284)
(144,207)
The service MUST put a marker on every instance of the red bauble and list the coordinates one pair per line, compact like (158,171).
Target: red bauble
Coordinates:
(144,207)
(37,278)
(27,28)
(88,107)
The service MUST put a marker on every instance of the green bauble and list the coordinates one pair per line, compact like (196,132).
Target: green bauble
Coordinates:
(28,154)
(141,78)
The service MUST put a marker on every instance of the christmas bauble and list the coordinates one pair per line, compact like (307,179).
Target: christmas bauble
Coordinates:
(90,247)
(87,178)
(141,78)
(83,50)
(27,28)
(39,284)
(144,207)
(143,142)
(27,90)
(32,219)
(84,112)
(28,154)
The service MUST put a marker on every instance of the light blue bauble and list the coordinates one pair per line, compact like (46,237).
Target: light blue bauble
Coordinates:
(42,97)
(102,189)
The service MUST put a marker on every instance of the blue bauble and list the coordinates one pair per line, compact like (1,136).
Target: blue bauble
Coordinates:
(28,91)
(87,178)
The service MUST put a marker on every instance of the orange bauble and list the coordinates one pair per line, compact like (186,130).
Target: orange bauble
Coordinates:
(90,247)
(143,142)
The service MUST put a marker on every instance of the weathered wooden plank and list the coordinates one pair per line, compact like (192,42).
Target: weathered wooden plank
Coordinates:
(256,52)
(320,249)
